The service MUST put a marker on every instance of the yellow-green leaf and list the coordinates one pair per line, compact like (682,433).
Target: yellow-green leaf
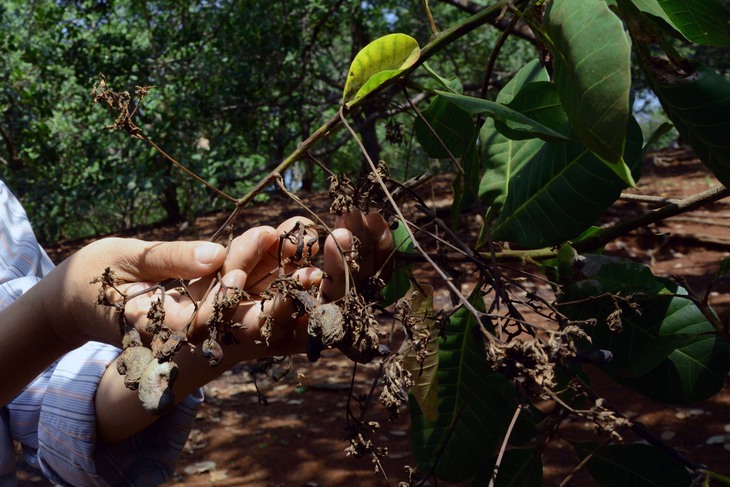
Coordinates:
(424,375)
(380,61)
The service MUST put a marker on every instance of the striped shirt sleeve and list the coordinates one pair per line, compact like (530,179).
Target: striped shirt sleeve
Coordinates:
(53,418)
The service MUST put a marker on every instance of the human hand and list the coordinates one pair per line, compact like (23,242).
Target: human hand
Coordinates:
(358,248)
(70,299)
(367,243)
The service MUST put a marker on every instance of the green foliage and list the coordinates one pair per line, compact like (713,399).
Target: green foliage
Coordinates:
(663,346)
(633,465)
(503,156)
(475,406)
(583,34)
(560,192)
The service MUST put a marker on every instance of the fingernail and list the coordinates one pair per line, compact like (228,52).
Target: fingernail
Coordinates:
(263,237)
(234,279)
(206,253)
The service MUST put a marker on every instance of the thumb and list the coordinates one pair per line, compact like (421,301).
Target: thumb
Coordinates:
(157,261)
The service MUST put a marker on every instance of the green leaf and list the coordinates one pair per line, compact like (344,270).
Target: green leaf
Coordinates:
(539,101)
(561,192)
(454,126)
(424,373)
(380,61)
(592,71)
(520,467)
(633,465)
(475,406)
(655,136)
(699,106)
(515,120)
(503,157)
(724,268)
(529,73)
(452,84)
(663,346)
(463,185)
(700,21)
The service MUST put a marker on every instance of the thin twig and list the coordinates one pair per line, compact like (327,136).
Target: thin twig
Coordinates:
(495,52)
(583,463)
(416,246)
(503,448)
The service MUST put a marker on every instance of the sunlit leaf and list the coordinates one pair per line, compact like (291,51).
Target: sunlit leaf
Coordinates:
(503,157)
(560,192)
(380,61)
(424,390)
(633,465)
(592,72)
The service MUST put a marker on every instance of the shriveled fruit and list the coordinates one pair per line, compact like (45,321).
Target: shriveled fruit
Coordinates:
(132,363)
(212,351)
(155,387)
(326,323)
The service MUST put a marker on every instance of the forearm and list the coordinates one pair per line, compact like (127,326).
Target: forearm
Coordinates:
(29,343)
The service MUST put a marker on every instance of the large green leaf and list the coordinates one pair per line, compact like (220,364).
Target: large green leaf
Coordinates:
(378,62)
(513,119)
(453,125)
(699,106)
(503,157)
(475,406)
(539,101)
(700,21)
(634,465)
(560,192)
(592,71)
(663,346)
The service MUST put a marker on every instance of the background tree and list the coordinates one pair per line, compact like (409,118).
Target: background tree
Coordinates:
(237,85)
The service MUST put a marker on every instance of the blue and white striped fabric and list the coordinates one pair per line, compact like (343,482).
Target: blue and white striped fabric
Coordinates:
(53,418)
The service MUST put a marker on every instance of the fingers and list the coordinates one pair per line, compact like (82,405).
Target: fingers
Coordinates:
(257,251)
(137,260)
(337,247)
(362,239)
(299,241)
(251,254)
